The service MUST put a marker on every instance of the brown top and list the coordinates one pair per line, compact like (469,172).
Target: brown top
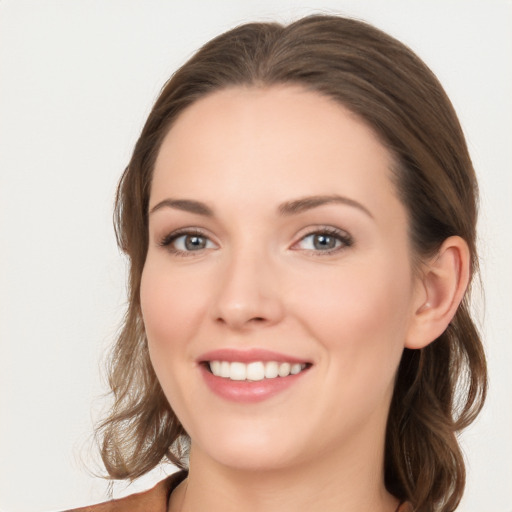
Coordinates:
(154,500)
(157,498)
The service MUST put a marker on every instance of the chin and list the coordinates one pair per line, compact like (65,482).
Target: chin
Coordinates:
(250,450)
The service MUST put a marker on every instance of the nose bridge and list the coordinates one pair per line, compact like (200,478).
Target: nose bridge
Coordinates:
(248,287)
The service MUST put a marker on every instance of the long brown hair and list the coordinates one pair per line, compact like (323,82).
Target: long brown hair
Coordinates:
(439,389)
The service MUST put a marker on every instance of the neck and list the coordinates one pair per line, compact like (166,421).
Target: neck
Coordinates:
(354,484)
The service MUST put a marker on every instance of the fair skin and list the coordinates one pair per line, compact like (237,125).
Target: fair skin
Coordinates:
(237,265)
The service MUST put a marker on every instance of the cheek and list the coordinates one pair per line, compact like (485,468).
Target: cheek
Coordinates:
(360,319)
(361,310)
(171,304)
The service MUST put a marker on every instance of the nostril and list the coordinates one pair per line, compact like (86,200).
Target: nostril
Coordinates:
(257,320)
(251,321)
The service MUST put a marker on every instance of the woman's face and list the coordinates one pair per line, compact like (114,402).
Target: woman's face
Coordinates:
(277,244)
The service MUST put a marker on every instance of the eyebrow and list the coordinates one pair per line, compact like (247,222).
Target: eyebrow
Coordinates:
(285,209)
(187,205)
(307,203)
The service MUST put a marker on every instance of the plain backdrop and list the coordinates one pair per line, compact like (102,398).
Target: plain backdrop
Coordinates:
(77,79)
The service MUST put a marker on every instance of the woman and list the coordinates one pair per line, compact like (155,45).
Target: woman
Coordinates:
(299,213)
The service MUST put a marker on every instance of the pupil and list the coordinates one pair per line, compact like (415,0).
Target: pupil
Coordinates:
(195,242)
(324,242)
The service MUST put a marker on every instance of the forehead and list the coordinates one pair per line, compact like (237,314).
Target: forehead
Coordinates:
(280,141)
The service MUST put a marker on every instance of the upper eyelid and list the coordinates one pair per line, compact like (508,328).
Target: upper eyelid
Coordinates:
(321,228)
(177,233)
(344,236)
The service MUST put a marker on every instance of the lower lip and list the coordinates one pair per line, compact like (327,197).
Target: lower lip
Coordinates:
(248,391)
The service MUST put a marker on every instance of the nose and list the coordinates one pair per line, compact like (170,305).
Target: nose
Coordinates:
(248,293)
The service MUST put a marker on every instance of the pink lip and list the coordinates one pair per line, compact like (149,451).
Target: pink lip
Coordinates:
(247,391)
(248,356)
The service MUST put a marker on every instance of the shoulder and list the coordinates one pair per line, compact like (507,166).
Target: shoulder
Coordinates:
(154,500)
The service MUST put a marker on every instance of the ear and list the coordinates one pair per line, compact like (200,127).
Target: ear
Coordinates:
(441,288)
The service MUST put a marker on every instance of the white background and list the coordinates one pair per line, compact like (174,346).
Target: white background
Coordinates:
(77,79)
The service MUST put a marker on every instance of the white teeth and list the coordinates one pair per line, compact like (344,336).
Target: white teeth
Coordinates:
(284,369)
(224,370)
(271,370)
(215,367)
(257,370)
(238,371)
(296,368)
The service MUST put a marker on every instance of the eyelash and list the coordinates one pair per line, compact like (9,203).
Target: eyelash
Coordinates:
(339,235)
(169,239)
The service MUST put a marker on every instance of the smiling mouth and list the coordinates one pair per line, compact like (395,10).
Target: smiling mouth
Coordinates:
(254,371)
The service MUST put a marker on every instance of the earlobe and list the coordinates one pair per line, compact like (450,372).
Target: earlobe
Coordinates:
(444,281)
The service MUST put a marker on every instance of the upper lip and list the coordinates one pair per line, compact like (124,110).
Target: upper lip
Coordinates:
(248,356)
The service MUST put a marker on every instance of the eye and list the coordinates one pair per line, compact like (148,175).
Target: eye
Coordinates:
(326,240)
(187,242)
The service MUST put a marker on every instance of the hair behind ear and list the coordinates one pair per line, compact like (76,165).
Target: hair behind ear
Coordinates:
(439,390)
